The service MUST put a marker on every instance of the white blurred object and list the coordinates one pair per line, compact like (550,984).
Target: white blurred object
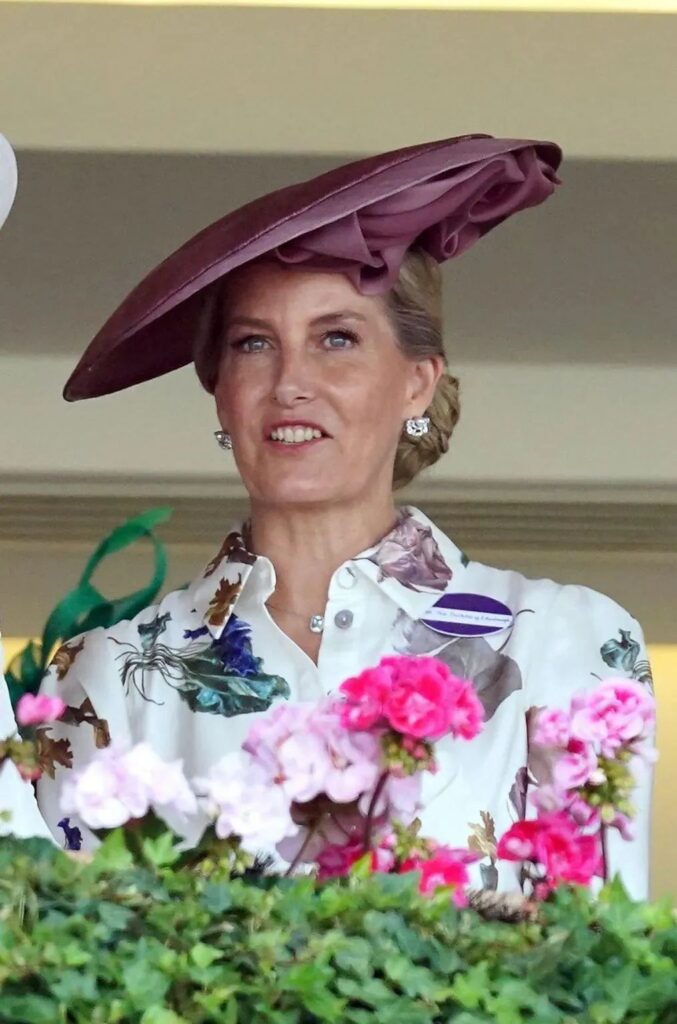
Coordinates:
(16,796)
(8,178)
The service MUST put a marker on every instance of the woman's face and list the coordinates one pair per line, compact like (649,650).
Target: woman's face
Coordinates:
(313,387)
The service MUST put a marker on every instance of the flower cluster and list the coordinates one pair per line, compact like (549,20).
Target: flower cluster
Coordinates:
(595,742)
(419,698)
(556,844)
(338,781)
(401,851)
(117,787)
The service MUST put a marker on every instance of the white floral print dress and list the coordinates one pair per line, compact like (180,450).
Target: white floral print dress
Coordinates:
(188,674)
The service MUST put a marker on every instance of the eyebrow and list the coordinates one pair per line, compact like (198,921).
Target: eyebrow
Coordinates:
(326,318)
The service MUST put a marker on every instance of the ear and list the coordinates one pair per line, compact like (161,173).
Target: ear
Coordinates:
(423,381)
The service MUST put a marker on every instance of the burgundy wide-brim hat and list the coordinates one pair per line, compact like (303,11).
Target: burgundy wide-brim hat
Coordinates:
(359,219)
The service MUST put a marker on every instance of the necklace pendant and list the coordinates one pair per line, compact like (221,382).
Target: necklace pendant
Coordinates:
(316,623)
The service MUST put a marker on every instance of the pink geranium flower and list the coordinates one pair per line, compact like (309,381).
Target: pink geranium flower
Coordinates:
(577,766)
(556,843)
(552,728)
(38,709)
(616,713)
(444,867)
(415,696)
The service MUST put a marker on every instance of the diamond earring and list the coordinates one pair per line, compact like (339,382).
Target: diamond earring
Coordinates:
(417,426)
(224,440)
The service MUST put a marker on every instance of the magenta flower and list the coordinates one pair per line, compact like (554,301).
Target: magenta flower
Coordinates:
(445,866)
(416,696)
(38,709)
(555,843)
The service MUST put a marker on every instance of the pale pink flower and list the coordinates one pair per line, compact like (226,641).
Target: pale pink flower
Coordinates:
(616,713)
(38,709)
(552,728)
(164,782)
(103,795)
(243,803)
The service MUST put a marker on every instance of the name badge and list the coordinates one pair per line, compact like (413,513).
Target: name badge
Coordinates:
(468,615)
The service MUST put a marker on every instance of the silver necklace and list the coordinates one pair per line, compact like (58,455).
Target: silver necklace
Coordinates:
(315,623)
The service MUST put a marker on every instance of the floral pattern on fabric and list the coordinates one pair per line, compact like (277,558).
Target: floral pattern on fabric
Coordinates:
(233,549)
(482,840)
(65,656)
(221,677)
(494,675)
(223,600)
(410,554)
(624,654)
(86,714)
(52,752)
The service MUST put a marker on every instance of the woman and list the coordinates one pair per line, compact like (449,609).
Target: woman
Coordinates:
(313,317)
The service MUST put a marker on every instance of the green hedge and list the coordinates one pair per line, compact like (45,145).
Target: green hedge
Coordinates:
(114,941)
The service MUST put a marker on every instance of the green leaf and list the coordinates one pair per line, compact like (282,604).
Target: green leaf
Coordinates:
(145,985)
(162,851)
(28,1009)
(113,854)
(203,956)
(160,1015)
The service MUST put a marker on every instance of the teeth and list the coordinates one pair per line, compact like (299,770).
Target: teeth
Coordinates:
(295,435)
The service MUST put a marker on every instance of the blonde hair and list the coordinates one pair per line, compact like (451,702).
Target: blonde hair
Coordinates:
(414,306)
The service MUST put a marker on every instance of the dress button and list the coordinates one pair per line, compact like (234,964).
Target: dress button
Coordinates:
(344,619)
(346,577)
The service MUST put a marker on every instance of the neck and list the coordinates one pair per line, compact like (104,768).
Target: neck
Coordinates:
(306,544)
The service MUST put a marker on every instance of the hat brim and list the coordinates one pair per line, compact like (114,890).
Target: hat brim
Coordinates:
(152,332)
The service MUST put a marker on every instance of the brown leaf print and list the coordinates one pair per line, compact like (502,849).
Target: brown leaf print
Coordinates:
(65,656)
(222,601)
(518,792)
(410,555)
(52,752)
(234,550)
(482,839)
(494,675)
(87,715)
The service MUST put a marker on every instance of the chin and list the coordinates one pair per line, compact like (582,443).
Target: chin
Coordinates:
(297,490)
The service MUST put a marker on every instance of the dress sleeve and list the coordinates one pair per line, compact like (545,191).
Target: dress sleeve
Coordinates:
(84,675)
(585,638)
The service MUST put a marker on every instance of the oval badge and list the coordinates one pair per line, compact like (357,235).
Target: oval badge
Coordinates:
(468,615)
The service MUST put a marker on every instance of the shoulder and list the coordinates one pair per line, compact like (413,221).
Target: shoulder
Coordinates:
(564,631)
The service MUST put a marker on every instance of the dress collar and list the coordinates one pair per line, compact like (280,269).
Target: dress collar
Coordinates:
(413,564)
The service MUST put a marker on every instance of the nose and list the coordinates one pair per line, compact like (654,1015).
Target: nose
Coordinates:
(293,379)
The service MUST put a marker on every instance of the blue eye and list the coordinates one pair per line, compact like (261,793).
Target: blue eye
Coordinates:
(339,340)
(254,343)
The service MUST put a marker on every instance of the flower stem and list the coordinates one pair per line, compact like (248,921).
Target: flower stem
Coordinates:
(603,834)
(369,823)
(302,849)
